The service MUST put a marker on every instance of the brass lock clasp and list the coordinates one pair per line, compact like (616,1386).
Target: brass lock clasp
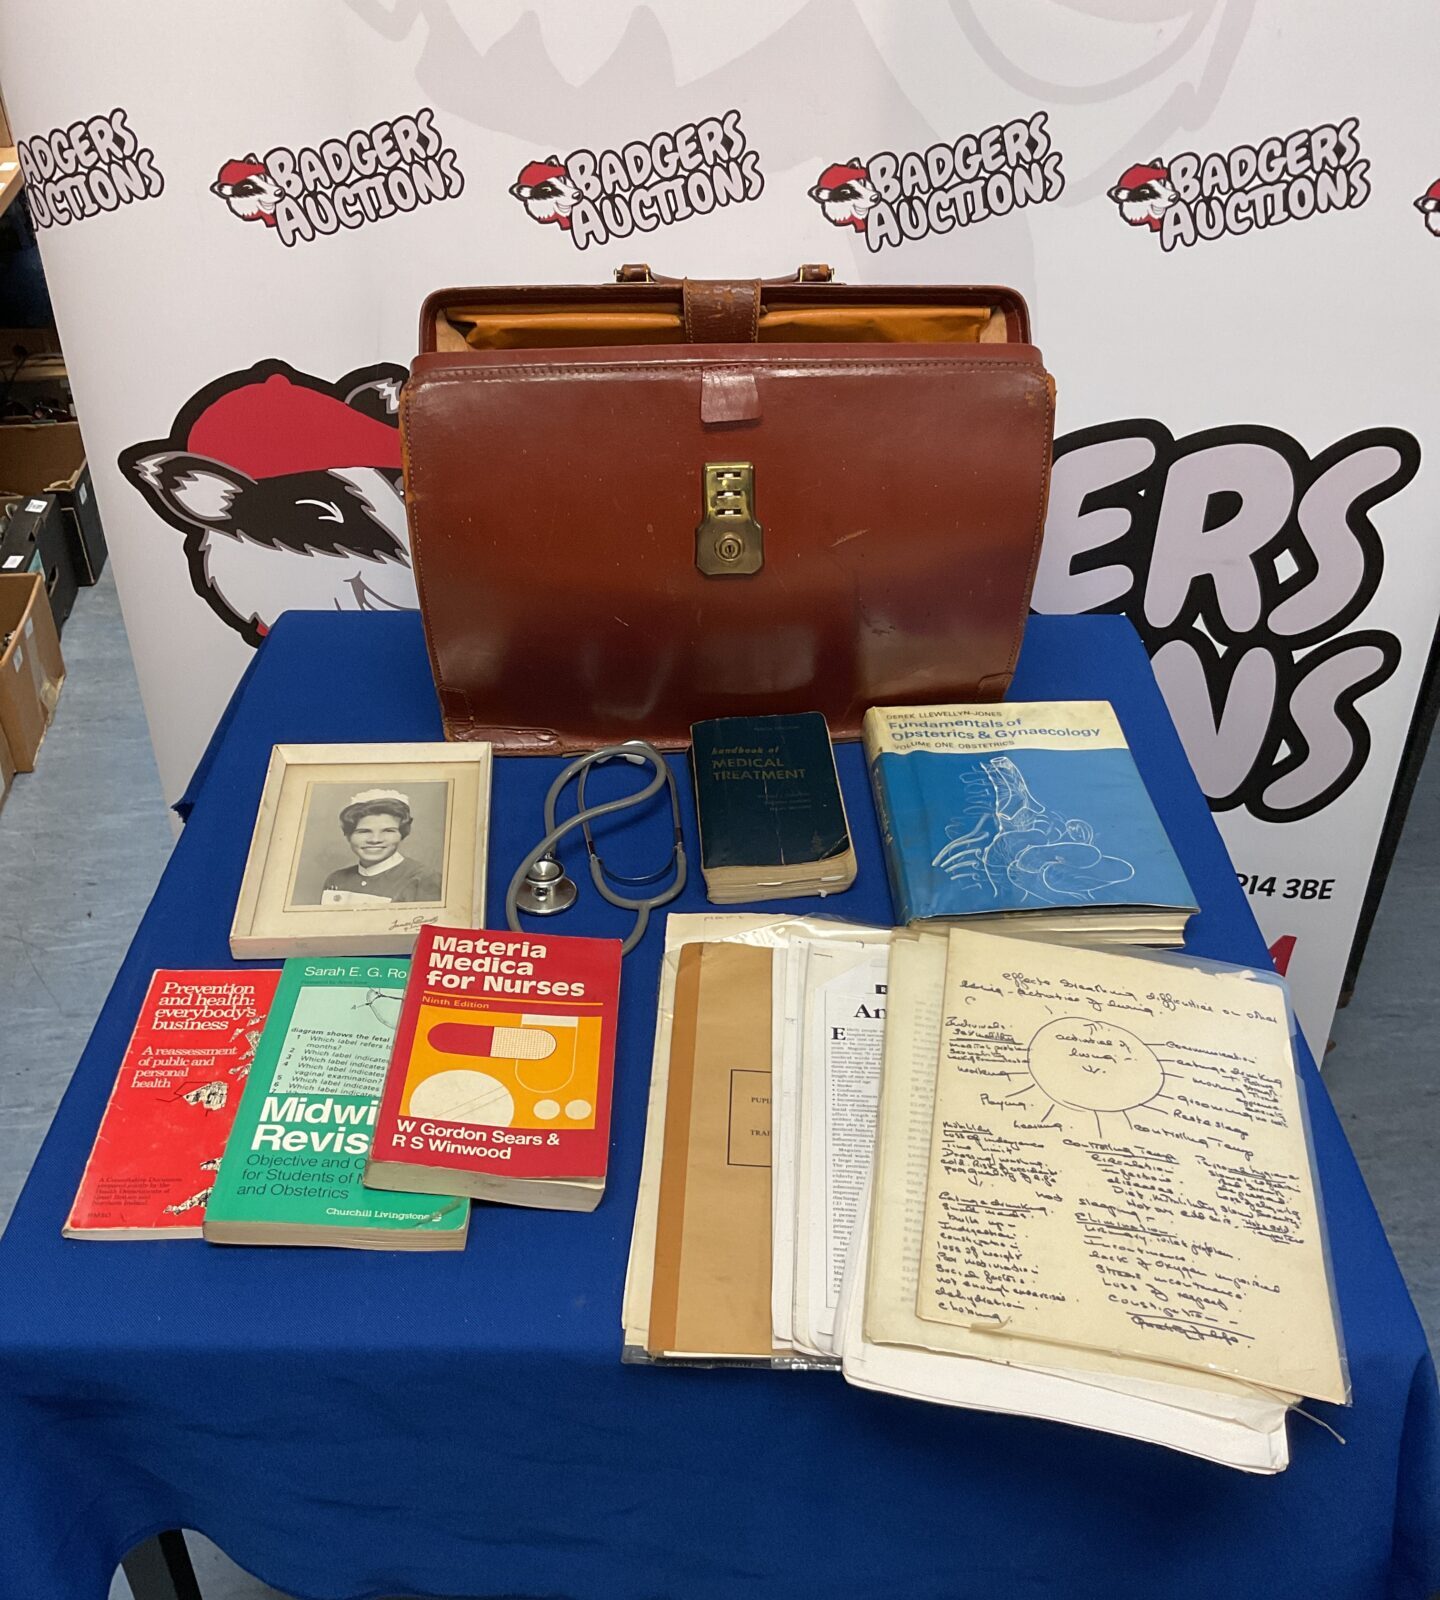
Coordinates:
(728,540)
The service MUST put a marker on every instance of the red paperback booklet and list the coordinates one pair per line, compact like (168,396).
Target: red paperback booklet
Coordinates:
(164,1130)
(499,1084)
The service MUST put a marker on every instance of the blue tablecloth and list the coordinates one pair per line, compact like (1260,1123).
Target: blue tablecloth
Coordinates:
(350,1424)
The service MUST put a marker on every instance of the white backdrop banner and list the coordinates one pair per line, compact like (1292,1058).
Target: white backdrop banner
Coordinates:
(1223,215)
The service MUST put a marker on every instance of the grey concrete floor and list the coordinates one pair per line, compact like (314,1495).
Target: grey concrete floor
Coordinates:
(83,841)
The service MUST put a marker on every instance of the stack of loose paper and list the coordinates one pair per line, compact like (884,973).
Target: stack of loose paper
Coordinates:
(831,993)
(734,1009)
(1092,1199)
(986,1172)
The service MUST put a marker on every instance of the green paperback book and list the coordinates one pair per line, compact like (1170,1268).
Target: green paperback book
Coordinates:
(291,1173)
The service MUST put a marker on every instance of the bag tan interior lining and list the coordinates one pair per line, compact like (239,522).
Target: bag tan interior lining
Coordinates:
(524,327)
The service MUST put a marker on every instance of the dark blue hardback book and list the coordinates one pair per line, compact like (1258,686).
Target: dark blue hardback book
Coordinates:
(766,792)
(992,810)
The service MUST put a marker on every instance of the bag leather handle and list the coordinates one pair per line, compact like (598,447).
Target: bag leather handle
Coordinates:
(720,313)
(716,310)
(809,272)
(721,310)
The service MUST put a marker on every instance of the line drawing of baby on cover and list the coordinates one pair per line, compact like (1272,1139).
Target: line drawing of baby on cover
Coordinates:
(1007,836)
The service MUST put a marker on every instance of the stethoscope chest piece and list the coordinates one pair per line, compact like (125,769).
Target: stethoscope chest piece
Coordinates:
(546,889)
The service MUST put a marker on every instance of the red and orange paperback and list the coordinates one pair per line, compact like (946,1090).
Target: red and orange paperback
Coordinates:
(500,1081)
(154,1160)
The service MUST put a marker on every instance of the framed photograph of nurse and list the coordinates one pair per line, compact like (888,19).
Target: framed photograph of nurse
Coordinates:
(356,846)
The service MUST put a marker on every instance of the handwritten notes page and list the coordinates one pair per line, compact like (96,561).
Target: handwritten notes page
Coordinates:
(902,1160)
(1118,1162)
(1051,1394)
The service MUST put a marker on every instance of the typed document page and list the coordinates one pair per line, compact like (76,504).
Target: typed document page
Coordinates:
(845,1035)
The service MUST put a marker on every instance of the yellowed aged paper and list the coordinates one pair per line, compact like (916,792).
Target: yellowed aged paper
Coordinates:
(1118,1161)
(902,1155)
(957,1380)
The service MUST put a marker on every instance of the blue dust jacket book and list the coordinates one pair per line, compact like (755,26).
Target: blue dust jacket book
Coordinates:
(766,791)
(991,809)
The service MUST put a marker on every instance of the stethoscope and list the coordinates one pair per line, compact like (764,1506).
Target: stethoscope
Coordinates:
(541,886)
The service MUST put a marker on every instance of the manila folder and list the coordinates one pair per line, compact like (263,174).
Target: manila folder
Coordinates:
(711,1295)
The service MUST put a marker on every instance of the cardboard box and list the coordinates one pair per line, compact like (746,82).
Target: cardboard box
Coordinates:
(34,539)
(40,456)
(32,669)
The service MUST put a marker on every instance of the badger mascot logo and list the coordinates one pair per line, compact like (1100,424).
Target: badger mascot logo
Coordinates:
(287,490)
(1429,206)
(1144,194)
(248,189)
(546,190)
(845,194)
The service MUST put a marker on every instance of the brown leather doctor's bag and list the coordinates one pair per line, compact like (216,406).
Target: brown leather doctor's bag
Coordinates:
(641,504)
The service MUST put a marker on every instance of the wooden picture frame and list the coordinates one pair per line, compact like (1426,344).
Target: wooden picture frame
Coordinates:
(332,868)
